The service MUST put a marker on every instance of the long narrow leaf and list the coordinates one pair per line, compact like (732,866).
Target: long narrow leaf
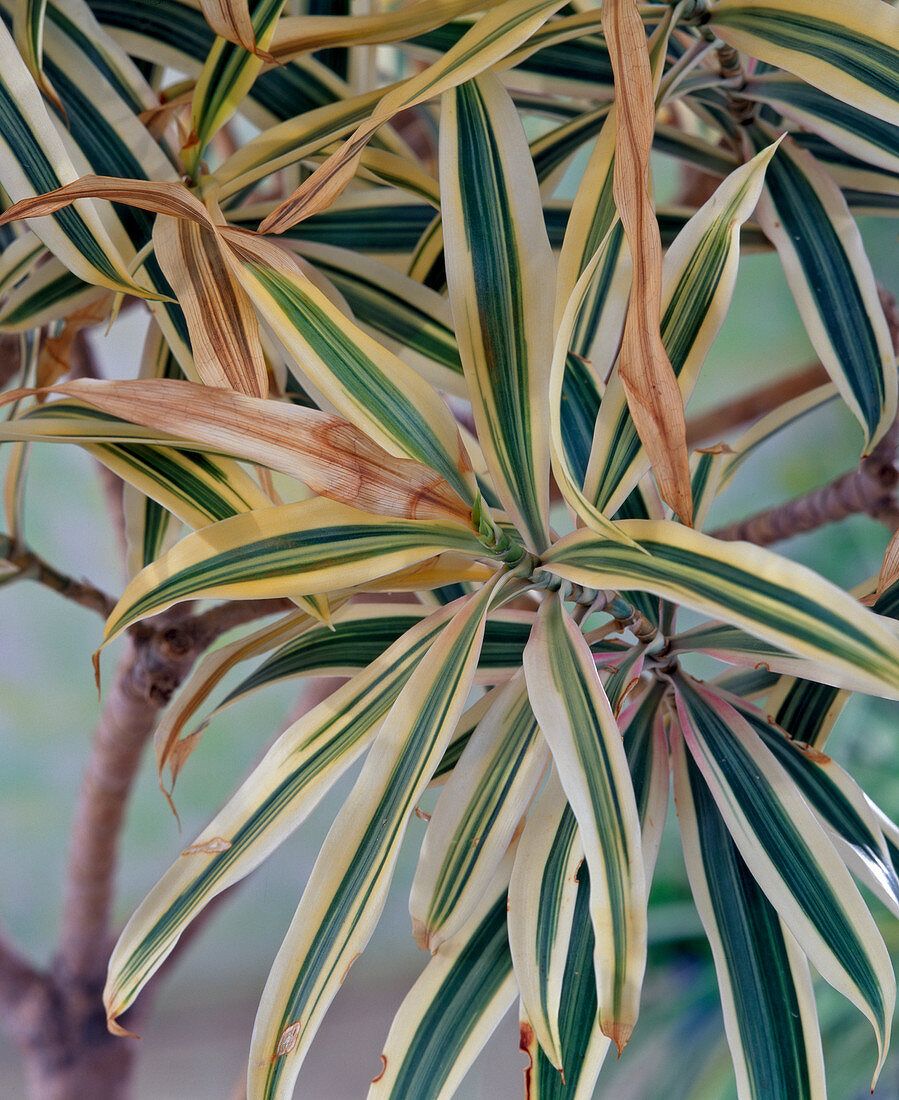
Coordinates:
(820,247)
(305,761)
(294,549)
(348,885)
(580,728)
(789,855)
(776,599)
(498,264)
(476,816)
(763,978)
(448,1014)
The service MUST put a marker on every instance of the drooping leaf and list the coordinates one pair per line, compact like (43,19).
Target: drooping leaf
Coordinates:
(577,721)
(476,816)
(305,761)
(763,977)
(348,885)
(787,852)
(448,1014)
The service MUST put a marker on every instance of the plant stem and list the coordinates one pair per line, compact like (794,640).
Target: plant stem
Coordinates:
(871,489)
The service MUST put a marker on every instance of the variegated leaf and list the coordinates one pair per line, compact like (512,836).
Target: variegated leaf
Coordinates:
(763,977)
(476,816)
(348,885)
(305,761)
(780,601)
(498,263)
(577,721)
(787,852)
(851,52)
(314,546)
(448,1014)
(823,257)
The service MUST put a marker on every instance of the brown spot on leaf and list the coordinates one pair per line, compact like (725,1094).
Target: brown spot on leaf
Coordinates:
(811,753)
(208,847)
(289,1038)
(348,965)
(375,1080)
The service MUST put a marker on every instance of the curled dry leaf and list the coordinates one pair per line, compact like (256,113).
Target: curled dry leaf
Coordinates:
(230,19)
(224,333)
(56,351)
(160,198)
(653,396)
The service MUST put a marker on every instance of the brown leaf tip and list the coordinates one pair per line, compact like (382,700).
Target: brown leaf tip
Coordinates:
(115,1028)
(526,1043)
(619,1034)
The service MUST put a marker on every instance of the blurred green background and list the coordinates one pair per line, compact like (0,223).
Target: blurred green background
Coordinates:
(195,1045)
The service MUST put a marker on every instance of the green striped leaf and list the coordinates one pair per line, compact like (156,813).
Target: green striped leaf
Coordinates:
(34,161)
(359,634)
(305,761)
(805,710)
(490,39)
(778,600)
(549,922)
(763,977)
(48,293)
(729,643)
(598,324)
(850,51)
(577,721)
(414,317)
(288,143)
(498,262)
(570,431)
(823,257)
(542,893)
(584,1044)
(789,855)
(369,385)
(450,1012)
(706,467)
(28,29)
(18,259)
(313,546)
(348,885)
(698,276)
(103,93)
(227,76)
(476,816)
(865,136)
(838,802)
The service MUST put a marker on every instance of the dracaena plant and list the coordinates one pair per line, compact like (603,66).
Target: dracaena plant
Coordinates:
(362,277)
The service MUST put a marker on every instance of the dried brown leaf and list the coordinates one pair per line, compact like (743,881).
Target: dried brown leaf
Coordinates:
(326,452)
(224,332)
(56,352)
(159,198)
(653,396)
(230,19)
